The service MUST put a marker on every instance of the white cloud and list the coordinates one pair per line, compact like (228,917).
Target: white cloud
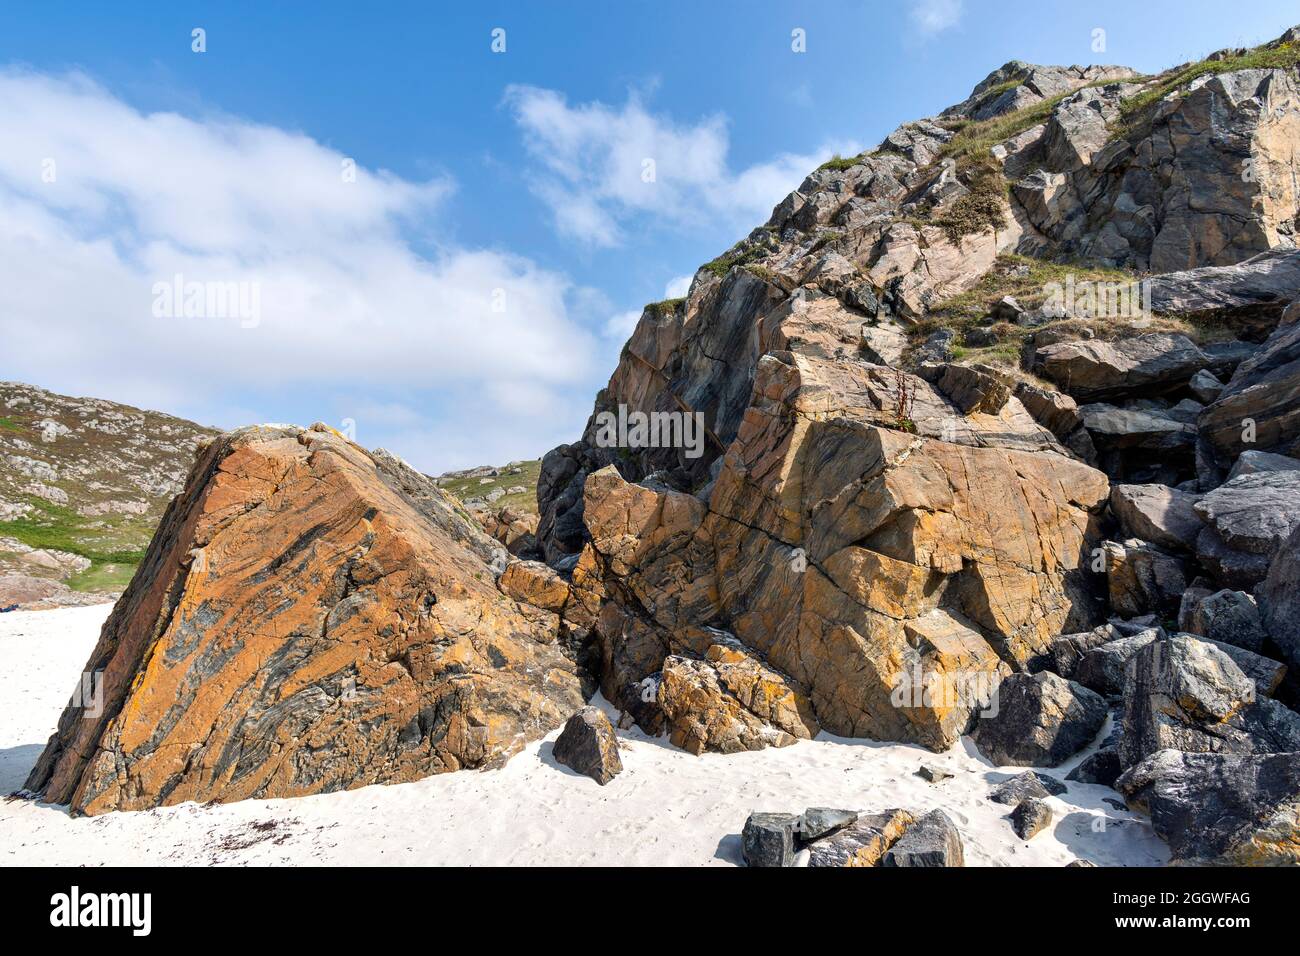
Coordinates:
(934,16)
(349,302)
(621,326)
(677,288)
(598,167)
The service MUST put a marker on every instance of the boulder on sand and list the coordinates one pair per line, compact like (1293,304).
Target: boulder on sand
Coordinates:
(588,745)
(1041,720)
(309,617)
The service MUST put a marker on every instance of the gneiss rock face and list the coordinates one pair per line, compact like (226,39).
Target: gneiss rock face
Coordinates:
(309,617)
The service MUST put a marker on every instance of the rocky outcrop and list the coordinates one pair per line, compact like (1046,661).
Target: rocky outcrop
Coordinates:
(1221,809)
(309,617)
(1157,513)
(1147,365)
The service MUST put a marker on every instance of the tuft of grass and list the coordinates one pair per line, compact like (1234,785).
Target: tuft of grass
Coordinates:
(665,307)
(982,207)
(842,162)
(9,425)
(730,259)
(1134,110)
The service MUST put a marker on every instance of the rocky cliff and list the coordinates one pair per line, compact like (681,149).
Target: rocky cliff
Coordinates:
(963,394)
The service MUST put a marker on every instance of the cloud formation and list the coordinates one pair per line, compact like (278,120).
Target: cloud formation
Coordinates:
(600,167)
(100,202)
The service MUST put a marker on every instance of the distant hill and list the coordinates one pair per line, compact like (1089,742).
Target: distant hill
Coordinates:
(83,485)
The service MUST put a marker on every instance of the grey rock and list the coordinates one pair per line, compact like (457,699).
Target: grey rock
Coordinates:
(1041,720)
(1103,668)
(768,839)
(588,745)
(971,389)
(1025,785)
(1265,391)
(1220,809)
(932,841)
(1254,462)
(1189,695)
(1157,513)
(1229,567)
(1279,600)
(1205,386)
(1030,817)
(818,822)
(1065,652)
(1229,617)
(1254,513)
(933,774)
(1145,365)
(1102,767)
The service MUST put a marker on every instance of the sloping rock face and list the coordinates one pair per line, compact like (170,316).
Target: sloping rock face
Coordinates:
(309,617)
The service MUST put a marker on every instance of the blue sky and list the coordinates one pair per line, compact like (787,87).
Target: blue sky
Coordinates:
(462,299)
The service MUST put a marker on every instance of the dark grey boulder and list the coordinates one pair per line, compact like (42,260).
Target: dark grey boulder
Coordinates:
(768,839)
(1254,513)
(588,745)
(1157,513)
(1025,785)
(1102,668)
(1065,652)
(1254,462)
(1102,767)
(1229,617)
(1041,720)
(1279,600)
(1030,817)
(931,841)
(1220,809)
(1187,694)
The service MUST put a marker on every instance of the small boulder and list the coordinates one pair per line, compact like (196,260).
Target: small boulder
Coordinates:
(1029,817)
(768,839)
(1102,668)
(933,774)
(1024,786)
(1205,386)
(1187,694)
(931,841)
(1103,768)
(588,745)
(1254,462)
(1041,720)
(1157,513)
(1141,578)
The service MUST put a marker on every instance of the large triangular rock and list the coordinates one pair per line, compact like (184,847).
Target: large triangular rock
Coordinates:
(309,617)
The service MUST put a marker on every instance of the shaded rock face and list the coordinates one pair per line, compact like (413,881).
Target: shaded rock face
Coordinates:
(309,617)
(1279,600)
(1189,695)
(1221,809)
(1259,409)
(1042,720)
